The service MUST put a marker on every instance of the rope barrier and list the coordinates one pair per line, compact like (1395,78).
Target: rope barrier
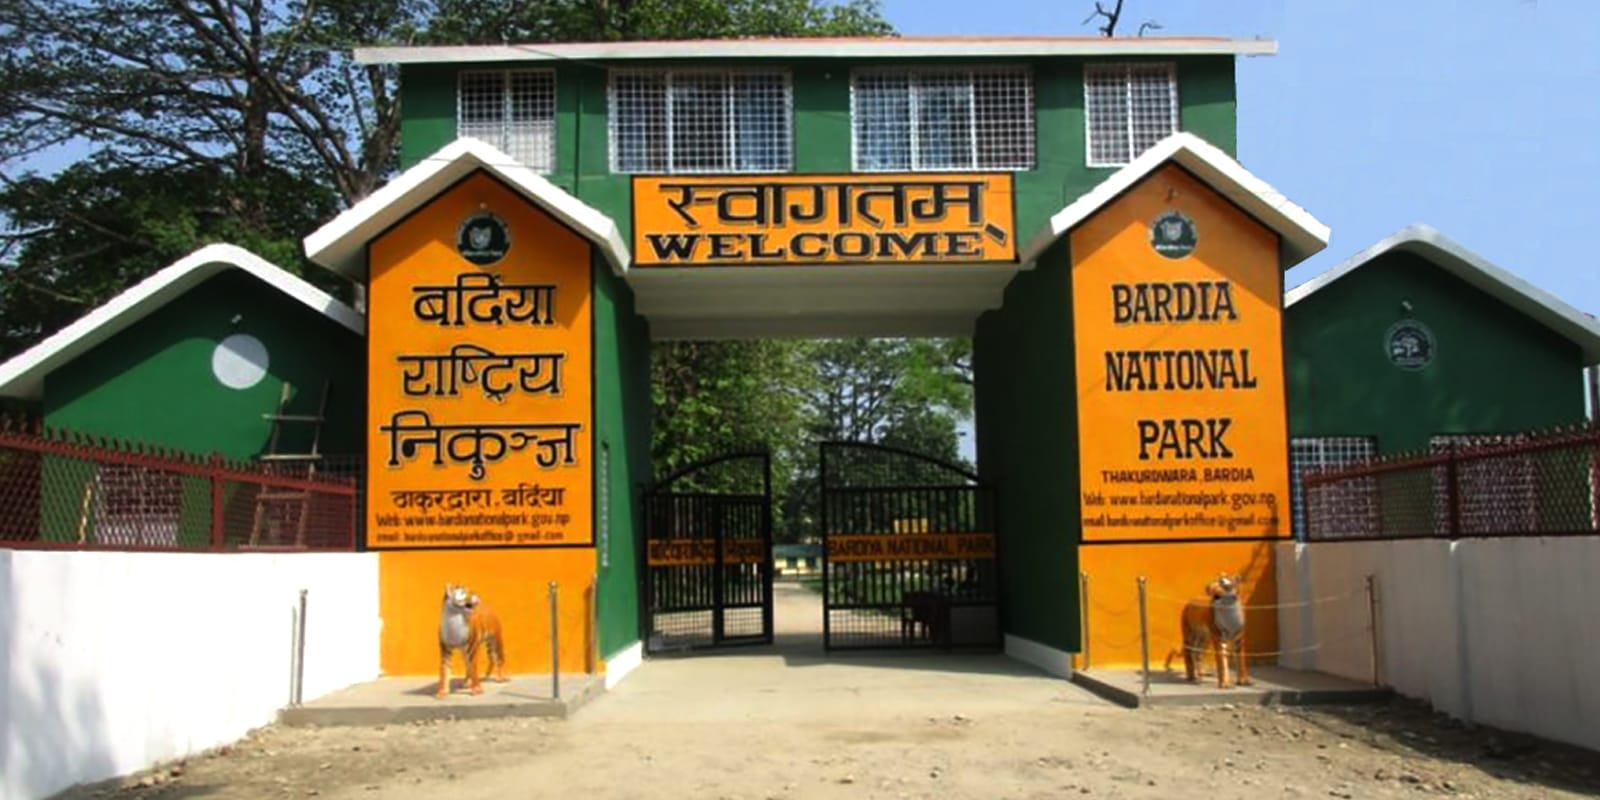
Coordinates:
(1306,649)
(1296,604)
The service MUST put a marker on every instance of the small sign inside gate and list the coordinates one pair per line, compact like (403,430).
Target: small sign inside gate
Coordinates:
(910,547)
(703,552)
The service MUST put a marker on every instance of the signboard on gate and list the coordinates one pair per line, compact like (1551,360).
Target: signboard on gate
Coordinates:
(823,219)
(1177,315)
(479,378)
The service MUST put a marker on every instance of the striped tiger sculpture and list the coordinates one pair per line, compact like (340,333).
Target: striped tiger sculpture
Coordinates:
(467,625)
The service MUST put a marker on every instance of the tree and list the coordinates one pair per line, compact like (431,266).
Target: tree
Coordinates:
(81,237)
(233,117)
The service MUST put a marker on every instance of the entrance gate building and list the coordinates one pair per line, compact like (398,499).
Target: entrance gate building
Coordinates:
(1123,297)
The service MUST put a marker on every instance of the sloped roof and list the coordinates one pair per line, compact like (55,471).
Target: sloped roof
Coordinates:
(1302,235)
(1423,240)
(23,375)
(341,243)
(825,47)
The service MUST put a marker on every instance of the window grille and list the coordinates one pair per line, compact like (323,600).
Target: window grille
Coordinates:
(1324,452)
(942,119)
(514,110)
(700,121)
(1128,108)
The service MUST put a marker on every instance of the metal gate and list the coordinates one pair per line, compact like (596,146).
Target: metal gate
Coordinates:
(910,551)
(708,554)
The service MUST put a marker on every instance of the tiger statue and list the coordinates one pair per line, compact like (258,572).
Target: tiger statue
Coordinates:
(466,624)
(1216,620)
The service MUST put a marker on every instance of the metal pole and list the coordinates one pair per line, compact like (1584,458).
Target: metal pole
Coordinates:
(555,648)
(300,651)
(1083,613)
(1144,638)
(1372,625)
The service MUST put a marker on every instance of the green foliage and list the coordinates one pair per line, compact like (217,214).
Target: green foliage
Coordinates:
(81,237)
(716,397)
(249,122)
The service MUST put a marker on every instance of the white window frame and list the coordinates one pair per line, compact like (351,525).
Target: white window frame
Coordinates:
(506,123)
(667,76)
(1028,122)
(1127,67)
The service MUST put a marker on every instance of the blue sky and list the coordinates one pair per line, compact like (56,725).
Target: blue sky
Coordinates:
(1478,117)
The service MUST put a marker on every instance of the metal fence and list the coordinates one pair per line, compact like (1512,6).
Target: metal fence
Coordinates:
(1532,484)
(61,490)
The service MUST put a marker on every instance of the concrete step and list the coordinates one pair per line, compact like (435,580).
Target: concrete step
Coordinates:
(411,699)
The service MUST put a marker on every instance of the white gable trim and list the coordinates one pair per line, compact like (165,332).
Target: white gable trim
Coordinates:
(23,376)
(341,244)
(826,47)
(1302,235)
(1423,240)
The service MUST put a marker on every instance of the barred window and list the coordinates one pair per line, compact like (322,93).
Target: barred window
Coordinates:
(700,121)
(1327,452)
(1128,107)
(942,119)
(514,110)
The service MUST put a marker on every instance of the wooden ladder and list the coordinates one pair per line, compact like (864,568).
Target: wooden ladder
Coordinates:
(269,497)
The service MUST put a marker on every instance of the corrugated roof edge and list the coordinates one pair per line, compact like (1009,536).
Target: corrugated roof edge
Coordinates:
(1424,240)
(823,47)
(23,375)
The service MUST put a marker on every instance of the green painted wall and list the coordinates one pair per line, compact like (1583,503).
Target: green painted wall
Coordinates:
(1027,420)
(622,418)
(822,124)
(1495,370)
(153,383)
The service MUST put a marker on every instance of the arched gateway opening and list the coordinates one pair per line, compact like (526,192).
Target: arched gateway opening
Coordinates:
(1128,370)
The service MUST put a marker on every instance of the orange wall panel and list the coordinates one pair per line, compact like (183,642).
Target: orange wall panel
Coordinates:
(1177,312)
(1175,573)
(514,582)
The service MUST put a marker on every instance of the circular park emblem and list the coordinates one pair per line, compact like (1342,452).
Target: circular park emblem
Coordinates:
(483,239)
(1409,344)
(1173,235)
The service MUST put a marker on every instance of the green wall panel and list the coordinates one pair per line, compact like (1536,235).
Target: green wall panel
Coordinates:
(821,95)
(622,417)
(1494,371)
(1027,427)
(153,381)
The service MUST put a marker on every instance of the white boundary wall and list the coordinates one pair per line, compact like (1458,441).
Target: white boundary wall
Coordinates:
(111,661)
(1504,632)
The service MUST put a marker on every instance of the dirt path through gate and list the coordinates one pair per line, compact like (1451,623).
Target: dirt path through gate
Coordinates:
(785,722)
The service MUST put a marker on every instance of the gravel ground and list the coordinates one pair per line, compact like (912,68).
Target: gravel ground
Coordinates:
(787,722)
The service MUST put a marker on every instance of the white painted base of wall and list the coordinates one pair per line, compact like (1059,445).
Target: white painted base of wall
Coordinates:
(623,662)
(1053,661)
(1495,631)
(111,662)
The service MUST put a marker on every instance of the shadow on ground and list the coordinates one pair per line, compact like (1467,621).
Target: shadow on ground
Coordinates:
(1407,726)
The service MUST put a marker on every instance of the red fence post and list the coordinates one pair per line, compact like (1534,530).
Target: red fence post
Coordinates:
(215,470)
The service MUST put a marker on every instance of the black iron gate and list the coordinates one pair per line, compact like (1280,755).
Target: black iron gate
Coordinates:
(910,551)
(708,554)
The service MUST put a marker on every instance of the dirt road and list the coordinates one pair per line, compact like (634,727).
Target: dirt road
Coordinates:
(784,722)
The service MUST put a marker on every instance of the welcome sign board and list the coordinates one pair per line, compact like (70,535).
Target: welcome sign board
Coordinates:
(1181,406)
(823,219)
(479,370)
